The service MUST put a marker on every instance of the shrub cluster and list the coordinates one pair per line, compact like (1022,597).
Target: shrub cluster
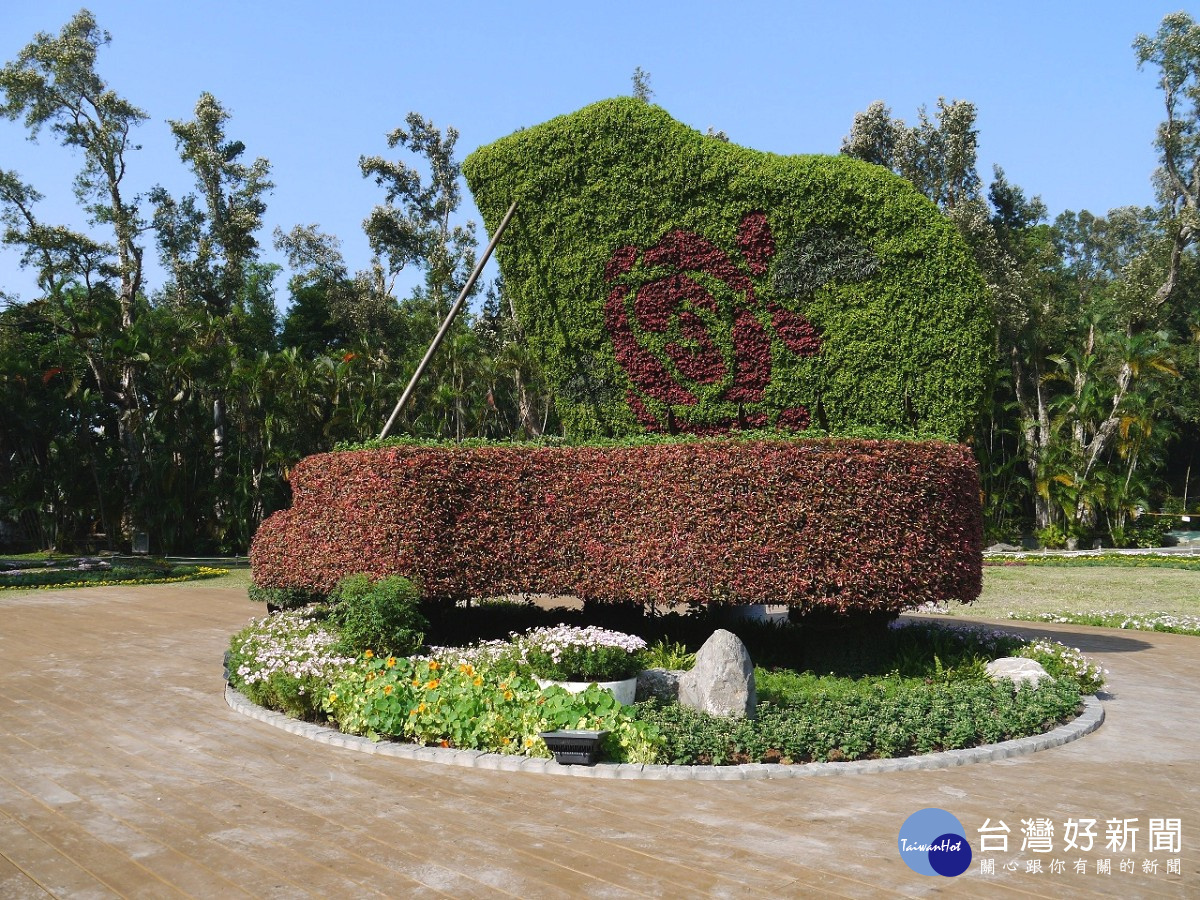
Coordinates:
(670,282)
(381,615)
(841,526)
(806,718)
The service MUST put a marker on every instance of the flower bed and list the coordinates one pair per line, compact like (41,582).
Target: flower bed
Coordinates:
(933,696)
(118,575)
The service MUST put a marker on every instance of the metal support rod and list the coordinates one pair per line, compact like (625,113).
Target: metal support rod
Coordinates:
(450,316)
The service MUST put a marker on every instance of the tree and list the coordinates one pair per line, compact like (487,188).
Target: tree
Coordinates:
(414,226)
(208,242)
(1175,50)
(91,290)
(1069,318)
(641,85)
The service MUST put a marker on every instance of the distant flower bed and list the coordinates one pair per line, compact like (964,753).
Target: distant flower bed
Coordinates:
(1124,560)
(117,575)
(1109,619)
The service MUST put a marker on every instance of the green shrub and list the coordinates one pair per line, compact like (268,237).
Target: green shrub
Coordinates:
(665,654)
(1052,537)
(806,718)
(382,615)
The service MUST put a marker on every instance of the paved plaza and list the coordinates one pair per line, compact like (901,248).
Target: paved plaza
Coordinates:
(123,772)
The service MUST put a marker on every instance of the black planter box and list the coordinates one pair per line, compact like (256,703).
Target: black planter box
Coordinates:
(574,748)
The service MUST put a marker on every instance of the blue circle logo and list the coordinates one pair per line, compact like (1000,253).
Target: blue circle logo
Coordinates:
(933,842)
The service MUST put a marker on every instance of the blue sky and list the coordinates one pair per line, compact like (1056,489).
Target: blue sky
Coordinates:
(314,85)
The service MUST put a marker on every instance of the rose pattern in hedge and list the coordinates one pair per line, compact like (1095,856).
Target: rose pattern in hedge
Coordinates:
(680,345)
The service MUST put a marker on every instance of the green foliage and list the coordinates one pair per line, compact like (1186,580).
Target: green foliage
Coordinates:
(478,706)
(808,718)
(664,654)
(382,616)
(1052,537)
(904,348)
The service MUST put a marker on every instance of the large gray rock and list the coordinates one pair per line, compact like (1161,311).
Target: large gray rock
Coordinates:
(659,684)
(1018,670)
(722,681)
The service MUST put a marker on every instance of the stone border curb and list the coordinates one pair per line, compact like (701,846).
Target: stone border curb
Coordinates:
(1085,723)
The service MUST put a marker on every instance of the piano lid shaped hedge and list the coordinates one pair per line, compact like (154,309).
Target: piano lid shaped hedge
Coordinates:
(836,525)
(675,283)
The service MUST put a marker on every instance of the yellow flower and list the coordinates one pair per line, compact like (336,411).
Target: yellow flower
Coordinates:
(504,741)
(416,682)
(333,698)
(422,707)
(466,669)
(528,742)
(430,685)
(433,666)
(477,682)
(370,676)
(412,712)
(391,663)
(387,688)
(369,655)
(508,695)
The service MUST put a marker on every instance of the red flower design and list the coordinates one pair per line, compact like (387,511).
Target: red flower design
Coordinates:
(679,303)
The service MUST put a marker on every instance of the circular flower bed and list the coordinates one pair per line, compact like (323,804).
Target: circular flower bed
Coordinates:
(912,689)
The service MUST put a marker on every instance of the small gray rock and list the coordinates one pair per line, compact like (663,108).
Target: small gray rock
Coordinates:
(722,682)
(1018,670)
(658,684)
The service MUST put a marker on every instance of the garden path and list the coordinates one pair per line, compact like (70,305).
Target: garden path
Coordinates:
(124,773)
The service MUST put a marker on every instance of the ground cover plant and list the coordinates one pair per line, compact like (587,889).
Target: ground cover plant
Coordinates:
(141,573)
(857,693)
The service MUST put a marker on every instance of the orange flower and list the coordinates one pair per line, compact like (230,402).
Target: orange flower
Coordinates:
(369,655)
(433,666)
(477,682)
(391,663)
(387,688)
(508,695)
(431,685)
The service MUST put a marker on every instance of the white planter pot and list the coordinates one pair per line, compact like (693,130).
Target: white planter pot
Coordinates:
(623,690)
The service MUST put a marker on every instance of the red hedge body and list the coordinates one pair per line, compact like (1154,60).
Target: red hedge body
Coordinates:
(836,525)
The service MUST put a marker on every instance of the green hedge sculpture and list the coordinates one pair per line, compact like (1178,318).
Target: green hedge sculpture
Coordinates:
(672,282)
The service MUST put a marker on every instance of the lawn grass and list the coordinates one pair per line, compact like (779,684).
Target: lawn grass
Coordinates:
(1036,590)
